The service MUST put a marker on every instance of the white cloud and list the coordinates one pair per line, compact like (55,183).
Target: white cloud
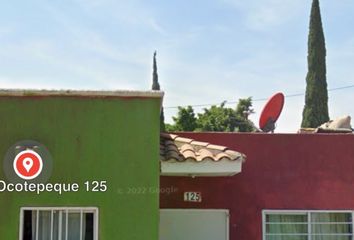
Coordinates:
(132,12)
(265,14)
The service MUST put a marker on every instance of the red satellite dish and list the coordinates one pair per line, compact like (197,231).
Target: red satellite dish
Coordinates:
(271,112)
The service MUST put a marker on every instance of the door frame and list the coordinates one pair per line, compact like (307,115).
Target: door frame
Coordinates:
(226,211)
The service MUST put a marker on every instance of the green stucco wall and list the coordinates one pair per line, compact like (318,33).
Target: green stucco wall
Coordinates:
(114,139)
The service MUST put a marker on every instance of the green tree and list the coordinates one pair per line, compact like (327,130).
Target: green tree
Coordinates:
(222,119)
(243,110)
(316,100)
(155,76)
(215,118)
(184,121)
(156,86)
(244,107)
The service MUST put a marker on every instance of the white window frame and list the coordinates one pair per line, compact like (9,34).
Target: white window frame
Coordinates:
(80,210)
(302,212)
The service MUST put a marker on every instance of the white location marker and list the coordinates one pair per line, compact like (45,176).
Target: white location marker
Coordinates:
(27,164)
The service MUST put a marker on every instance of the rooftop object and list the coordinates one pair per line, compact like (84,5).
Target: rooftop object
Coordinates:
(271,112)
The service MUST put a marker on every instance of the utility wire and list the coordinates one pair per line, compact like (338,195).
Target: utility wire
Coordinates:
(258,99)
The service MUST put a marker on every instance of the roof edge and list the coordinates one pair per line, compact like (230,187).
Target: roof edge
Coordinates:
(79,93)
(179,155)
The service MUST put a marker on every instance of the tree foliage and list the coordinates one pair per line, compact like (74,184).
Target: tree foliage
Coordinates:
(243,110)
(316,100)
(215,118)
(218,119)
(156,86)
(185,120)
(155,76)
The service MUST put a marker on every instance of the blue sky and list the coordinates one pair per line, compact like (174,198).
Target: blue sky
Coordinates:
(208,51)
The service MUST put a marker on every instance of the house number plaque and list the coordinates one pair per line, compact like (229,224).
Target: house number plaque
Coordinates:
(192,196)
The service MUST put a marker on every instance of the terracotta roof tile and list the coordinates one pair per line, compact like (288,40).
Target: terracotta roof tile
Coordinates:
(217,147)
(189,154)
(186,147)
(221,156)
(170,147)
(201,144)
(172,136)
(172,155)
(183,140)
(205,153)
(173,147)
(169,142)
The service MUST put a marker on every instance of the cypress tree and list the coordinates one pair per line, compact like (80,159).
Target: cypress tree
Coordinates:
(156,86)
(155,77)
(316,100)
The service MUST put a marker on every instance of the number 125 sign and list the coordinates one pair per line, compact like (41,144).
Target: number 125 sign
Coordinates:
(192,196)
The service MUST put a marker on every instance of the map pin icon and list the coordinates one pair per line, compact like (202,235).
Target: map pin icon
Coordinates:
(27,164)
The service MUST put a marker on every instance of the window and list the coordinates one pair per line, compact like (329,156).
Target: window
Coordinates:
(58,224)
(307,225)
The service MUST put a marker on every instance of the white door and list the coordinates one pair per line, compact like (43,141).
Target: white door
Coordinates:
(194,224)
